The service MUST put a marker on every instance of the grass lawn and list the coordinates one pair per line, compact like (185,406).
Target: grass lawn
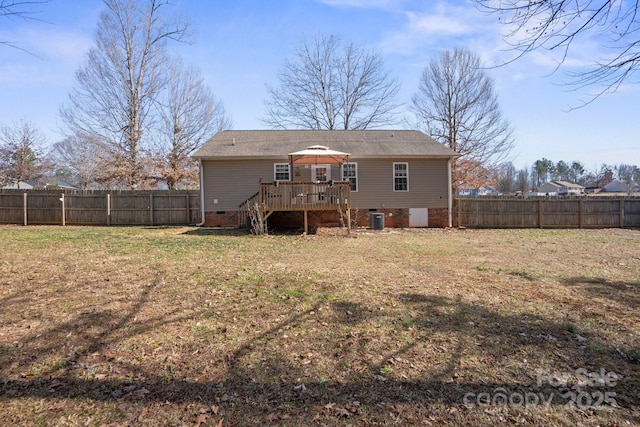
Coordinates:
(186,326)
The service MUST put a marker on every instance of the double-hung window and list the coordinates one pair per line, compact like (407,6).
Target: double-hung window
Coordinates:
(350,174)
(281,172)
(401,177)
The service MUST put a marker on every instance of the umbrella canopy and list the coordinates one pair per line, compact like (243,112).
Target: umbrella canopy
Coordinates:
(318,154)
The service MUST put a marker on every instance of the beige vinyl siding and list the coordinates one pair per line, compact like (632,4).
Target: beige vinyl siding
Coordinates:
(232,182)
(427,184)
(302,173)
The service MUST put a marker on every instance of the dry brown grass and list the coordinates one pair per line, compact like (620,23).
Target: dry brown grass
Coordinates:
(184,326)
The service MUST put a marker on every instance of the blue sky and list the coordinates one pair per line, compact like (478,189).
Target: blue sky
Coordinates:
(239,46)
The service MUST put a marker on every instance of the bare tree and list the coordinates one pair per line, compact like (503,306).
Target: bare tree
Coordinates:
(79,160)
(557,24)
(457,103)
(329,85)
(190,114)
(627,172)
(17,9)
(600,176)
(629,175)
(522,181)
(511,180)
(21,156)
(506,178)
(114,93)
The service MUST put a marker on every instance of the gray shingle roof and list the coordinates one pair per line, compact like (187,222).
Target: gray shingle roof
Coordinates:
(359,143)
(565,184)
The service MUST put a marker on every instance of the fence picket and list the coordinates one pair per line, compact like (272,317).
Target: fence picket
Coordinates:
(583,212)
(98,207)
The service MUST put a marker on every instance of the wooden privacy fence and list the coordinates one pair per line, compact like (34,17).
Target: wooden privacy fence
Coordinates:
(582,212)
(99,207)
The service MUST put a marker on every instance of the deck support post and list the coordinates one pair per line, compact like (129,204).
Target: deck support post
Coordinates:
(306,223)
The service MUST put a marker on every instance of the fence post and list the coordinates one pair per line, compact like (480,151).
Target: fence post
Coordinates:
(540,207)
(63,218)
(188,208)
(621,213)
(24,207)
(108,209)
(459,203)
(580,207)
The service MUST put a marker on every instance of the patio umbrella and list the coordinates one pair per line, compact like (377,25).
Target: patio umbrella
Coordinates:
(318,155)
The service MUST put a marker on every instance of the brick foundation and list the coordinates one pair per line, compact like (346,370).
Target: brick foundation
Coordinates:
(399,218)
(393,218)
(438,217)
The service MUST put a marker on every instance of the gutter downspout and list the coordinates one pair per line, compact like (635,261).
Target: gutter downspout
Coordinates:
(200,224)
(450,202)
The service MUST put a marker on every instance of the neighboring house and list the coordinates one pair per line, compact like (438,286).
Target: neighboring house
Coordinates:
(44,184)
(55,184)
(482,191)
(20,185)
(323,177)
(617,186)
(560,188)
(592,190)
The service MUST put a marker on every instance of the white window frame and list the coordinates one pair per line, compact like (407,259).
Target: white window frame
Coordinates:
(275,171)
(396,176)
(348,178)
(314,168)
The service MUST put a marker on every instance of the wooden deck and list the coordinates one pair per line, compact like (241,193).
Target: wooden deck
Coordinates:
(298,196)
(303,196)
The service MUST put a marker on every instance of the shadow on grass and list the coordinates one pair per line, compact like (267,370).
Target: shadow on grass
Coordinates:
(625,293)
(258,383)
(18,298)
(350,313)
(217,231)
(90,331)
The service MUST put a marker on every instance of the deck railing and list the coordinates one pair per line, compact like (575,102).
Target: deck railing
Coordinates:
(303,196)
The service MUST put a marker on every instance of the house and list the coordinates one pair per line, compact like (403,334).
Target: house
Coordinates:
(20,185)
(44,184)
(560,188)
(322,177)
(618,186)
(485,190)
(55,184)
